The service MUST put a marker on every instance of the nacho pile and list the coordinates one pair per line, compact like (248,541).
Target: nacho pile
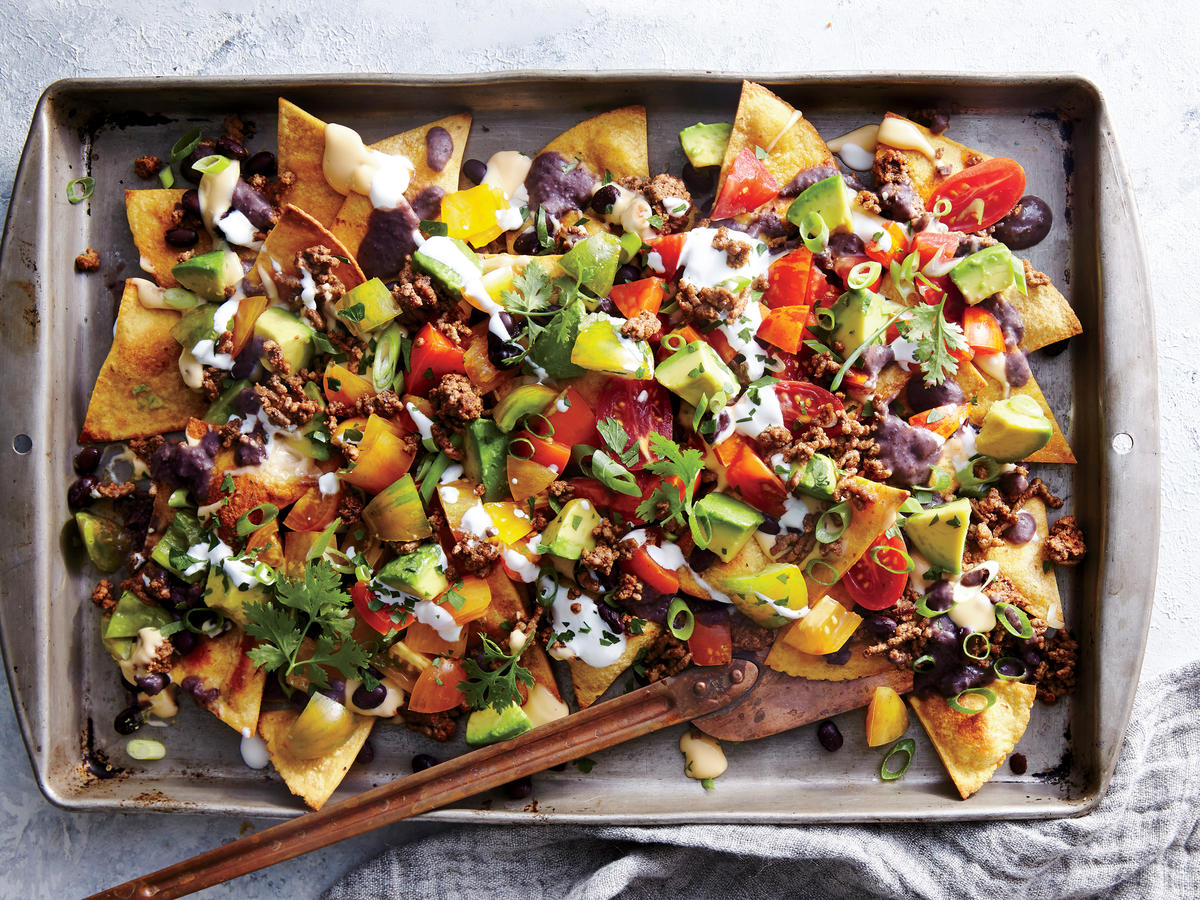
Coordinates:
(422,437)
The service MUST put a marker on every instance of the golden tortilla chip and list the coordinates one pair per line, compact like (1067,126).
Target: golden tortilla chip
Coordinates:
(295,232)
(150,215)
(925,176)
(509,604)
(613,141)
(139,391)
(350,223)
(302,152)
(972,747)
(787,659)
(222,663)
(590,683)
(313,780)
(781,131)
(984,392)
(1047,315)
(1024,567)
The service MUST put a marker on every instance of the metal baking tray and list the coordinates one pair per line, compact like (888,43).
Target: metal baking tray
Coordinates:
(56,331)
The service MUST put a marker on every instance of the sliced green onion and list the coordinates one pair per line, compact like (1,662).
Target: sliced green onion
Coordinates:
(434,228)
(145,749)
(842,513)
(678,608)
(429,482)
(810,571)
(814,231)
(971,646)
(708,783)
(863,275)
(924,663)
(613,475)
(80,189)
(877,554)
(185,145)
(265,574)
(178,498)
(701,528)
(539,426)
(942,207)
(904,273)
(166,177)
(387,357)
(956,704)
(204,620)
(544,237)
(826,320)
(362,572)
(1009,661)
(977,485)
(907,747)
(853,357)
(518,449)
(212,165)
(1025,631)
(547,586)
(321,544)
(246,523)
(339,561)
(178,298)
(1018,269)
(674,342)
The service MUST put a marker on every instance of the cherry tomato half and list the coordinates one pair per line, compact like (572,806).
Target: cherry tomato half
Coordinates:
(377,619)
(871,585)
(980,196)
(747,187)
(642,407)
(806,404)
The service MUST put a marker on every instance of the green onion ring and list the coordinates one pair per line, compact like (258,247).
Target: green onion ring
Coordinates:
(544,429)
(178,498)
(679,607)
(166,177)
(966,646)
(212,165)
(877,553)
(613,475)
(144,749)
(265,574)
(955,702)
(522,443)
(812,564)
(194,620)
(826,534)
(387,356)
(825,318)
(1026,629)
(674,342)
(942,207)
(1009,659)
(246,524)
(178,298)
(924,663)
(80,189)
(185,145)
(363,572)
(928,611)
(908,747)
(815,232)
(863,275)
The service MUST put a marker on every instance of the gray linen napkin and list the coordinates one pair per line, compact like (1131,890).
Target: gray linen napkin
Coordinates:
(1142,841)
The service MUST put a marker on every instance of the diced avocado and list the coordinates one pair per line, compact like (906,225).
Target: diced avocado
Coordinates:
(761,595)
(983,273)
(857,315)
(829,199)
(819,477)
(600,347)
(118,648)
(195,325)
(486,448)
(367,307)
(105,539)
(209,274)
(421,572)
(222,407)
(450,262)
(171,552)
(131,615)
(593,262)
(571,531)
(704,145)
(730,521)
(940,533)
(220,594)
(293,335)
(487,726)
(695,370)
(397,514)
(552,348)
(630,245)
(1014,429)
(528,399)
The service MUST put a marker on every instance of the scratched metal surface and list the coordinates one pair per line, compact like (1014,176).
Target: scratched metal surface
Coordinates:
(62,680)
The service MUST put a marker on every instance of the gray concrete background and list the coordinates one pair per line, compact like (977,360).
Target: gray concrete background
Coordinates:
(1143,60)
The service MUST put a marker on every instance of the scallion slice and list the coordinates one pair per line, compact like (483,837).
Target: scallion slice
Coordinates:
(539,426)
(387,357)
(178,298)
(956,704)
(815,232)
(521,448)
(833,523)
(825,318)
(185,145)
(674,342)
(924,663)
(1009,662)
(1022,629)
(878,553)
(145,749)
(863,275)
(166,177)
(80,189)
(907,747)
(942,208)
(613,475)
(975,645)
(178,498)
(246,524)
(212,165)
(679,608)
(811,571)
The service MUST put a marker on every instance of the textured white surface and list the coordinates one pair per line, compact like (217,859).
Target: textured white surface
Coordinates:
(1143,62)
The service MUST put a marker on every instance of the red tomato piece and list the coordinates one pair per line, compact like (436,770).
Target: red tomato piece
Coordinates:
(645,568)
(643,408)
(614,501)
(747,187)
(711,643)
(548,453)
(634,297)
(982,330)
(870,584)
(928,244)
(576,424)
(784,327)
(669,248)
(377,619)
(980,196)
(436,689)
(806,404)
(820,291)
(751,477)
(788,280)
(433,355)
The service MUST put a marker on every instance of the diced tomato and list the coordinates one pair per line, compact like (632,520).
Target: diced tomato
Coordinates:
(982,330)
(941,420)
(634,297)
(784,327)
(711,642)
(345,386)
(577,423)
(820,291)
(843,264)
(980,196)
(548,453)
(248,311)
(614,501)
(437,689)
(897,246)
(747,187)
(788,280)
(377,619)
(928,244)
(751,477)
(719,342)
(669,248)
(433,355)
(314,510)
(932,290)
(662,580)
(806,404)
(790,366)
(642,408)
(870,584)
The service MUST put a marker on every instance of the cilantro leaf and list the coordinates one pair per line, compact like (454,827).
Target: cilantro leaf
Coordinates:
(673,463)
(497,687)
(936,340)
(618,440)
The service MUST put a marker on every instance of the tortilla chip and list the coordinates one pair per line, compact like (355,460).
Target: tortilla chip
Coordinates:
(302,152)
(972,747)
(295,232)
(222,663)
(590,683)
(776,127)
(350,223)
(1047,315)
(1023,564)
(614,141)
(925,177)
(787,659)
(150,215)
(510,604)
(984,392)
(313,780)
(139,391)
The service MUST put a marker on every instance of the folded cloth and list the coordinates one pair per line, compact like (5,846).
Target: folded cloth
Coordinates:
(1141,841)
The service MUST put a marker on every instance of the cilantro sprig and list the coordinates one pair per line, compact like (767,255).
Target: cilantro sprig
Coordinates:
(674,462)
(495,687)
(536,298)
(937,340)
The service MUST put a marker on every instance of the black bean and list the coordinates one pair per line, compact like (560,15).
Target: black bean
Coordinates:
(336,690)
(505,354)
(702,559)
(231,149)
(1012,484)
(191,202)
(439,147)
(423,761)
(973,577)
(181,237)
(261,163)
(940,597)
(626,274)
(881,627)
(605,305)
(79,494)
(129,720)
(1027,224)
(86,460)
(519,789)
(526,243)
(1018,763)
(1051,350)
(829,735)
(203,149)
(838,657)
(369,699)
(474,170)
(152,683)
(366,755)
(184,642)
(604,199)
(770,525)
(1022,531)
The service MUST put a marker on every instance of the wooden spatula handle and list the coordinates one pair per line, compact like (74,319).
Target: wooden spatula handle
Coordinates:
(678,699)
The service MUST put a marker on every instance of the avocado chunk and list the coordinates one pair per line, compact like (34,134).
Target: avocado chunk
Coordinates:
(695,371)
(940,533)
(131,615)
(552,348)
(105,539)
(421,572)
(730,522)
(526,400)
(593,262)
(600,347)
(209,274)
(857,315)
(829,199)
(762,595)
(397,514)
(171,551)
(487,726)
(195,325)
(819,477)
(986,272)
(450,262)
(704,145)
(1014,429)
(314,438)
(571,531)
(220,594)
(293,335)
(486,448)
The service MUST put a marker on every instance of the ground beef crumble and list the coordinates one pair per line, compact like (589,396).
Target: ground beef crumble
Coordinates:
(748,637)
(667,656)
(147,166)
(475,556)
(641,328)
(992,514)
(418,297)
(892,166)
(737,250)
(608,550)
(455,401)
(1064,546)
(440,726)
(842,436)
(104,596)
(113,491)
(350,507)
(87,261)
(284,401)
(629,590)
(657,191)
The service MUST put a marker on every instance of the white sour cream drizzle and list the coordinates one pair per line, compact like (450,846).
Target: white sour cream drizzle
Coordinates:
(239,230)
(631,210)
(254,750)
(591,641)
(705,266)
(857,147)
(795,117)
(423,422)
(740,336)
(506,170)
(349,166)
(453,472)
(751,418)
(477,523)
(329,484)
(145,648)
(216,194)
(445,251)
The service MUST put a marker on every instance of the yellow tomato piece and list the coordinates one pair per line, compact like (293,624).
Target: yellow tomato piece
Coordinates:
(345,386)
(887,717)
(470,215)
(825,629)
(382,457)
(527,478)
(495,282)
(510,519)
(468,600)
(425,639)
